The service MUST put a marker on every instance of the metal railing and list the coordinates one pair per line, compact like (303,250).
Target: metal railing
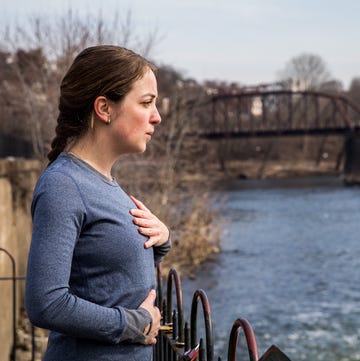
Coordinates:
(178,339)
(14,279)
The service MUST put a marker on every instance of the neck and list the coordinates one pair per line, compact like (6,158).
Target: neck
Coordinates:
(94,157)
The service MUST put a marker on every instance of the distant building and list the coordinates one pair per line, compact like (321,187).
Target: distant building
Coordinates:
(256,107)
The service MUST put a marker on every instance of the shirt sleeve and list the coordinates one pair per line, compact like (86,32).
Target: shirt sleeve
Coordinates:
(161,251)
(136,321)
(59,213)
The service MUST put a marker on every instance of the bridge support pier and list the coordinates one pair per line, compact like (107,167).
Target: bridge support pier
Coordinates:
(352,159)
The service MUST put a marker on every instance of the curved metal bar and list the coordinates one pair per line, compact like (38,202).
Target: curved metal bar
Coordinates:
(13,263)
(173,275)
(159,286)
(200,294)
(250,340)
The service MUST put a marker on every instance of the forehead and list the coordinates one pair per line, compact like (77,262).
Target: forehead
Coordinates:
(146,84)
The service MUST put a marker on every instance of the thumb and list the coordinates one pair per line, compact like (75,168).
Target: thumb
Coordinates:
(150,298)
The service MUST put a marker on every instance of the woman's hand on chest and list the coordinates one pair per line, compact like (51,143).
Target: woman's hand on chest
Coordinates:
(149,225)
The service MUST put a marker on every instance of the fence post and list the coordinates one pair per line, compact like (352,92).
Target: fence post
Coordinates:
(173,275)
(249,336)
(200,294)
(13,264)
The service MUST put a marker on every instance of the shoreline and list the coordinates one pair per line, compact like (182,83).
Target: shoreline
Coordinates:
(255,170)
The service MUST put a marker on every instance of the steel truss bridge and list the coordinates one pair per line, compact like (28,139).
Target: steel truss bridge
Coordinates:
(280,113)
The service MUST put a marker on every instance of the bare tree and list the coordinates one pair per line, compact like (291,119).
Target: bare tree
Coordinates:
(305,71)
(34,59)
(27,97)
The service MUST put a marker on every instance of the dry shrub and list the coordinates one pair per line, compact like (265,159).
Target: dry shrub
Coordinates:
(197,239)
(185,207)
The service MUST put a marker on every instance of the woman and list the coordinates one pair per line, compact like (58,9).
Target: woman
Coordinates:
(90,277)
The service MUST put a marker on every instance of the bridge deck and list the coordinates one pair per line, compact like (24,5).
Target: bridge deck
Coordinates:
(278,132)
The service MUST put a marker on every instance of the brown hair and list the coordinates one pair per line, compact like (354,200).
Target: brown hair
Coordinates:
(99,70)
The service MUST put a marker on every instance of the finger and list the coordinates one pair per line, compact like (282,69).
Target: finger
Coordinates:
(145,222)
(150,341)
(149,231)
(141,214)
(139,204)
(152,296)
(149,301)
(152,241)
(149,243)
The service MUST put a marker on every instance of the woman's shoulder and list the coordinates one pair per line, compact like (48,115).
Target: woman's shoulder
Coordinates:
(57,185)
(60,172)
(61,180)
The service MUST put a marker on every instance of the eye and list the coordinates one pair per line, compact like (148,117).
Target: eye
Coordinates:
(149,100)
(147,103)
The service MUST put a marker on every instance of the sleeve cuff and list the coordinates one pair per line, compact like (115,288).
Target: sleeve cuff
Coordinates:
(161,251)
(135,323)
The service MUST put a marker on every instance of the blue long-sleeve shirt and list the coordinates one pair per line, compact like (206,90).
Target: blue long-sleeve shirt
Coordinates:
(87,262)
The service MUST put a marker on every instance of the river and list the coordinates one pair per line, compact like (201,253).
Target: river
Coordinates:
(290,265)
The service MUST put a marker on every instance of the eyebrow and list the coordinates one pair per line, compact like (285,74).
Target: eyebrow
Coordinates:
(149,95)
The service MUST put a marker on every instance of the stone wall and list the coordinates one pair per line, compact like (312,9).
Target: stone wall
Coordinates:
(17,180)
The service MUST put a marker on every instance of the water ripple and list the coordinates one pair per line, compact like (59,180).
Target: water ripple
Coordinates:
(290,265)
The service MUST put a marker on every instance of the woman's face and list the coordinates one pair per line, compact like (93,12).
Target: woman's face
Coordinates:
(133,120)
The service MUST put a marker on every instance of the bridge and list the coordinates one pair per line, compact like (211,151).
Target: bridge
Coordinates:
(279,113)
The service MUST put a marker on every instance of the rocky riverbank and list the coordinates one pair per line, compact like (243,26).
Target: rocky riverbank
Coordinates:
(250,169)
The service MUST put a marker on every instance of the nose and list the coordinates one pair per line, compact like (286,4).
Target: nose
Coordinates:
(155,117)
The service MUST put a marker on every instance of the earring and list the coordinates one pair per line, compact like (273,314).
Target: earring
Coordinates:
(92,121)
(108,121)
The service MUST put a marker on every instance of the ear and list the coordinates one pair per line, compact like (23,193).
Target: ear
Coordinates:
(102,108)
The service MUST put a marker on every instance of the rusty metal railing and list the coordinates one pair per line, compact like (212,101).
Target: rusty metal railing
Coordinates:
(178,339)
(14,280)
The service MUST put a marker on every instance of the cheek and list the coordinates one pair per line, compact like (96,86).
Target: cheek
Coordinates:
(132,127)
(138,123)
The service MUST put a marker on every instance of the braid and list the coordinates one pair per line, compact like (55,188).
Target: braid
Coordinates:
(58,143)
(66,129)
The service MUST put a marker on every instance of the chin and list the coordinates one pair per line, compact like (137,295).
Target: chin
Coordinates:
(140,149)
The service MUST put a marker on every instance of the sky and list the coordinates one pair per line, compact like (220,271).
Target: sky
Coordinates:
(242,41)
